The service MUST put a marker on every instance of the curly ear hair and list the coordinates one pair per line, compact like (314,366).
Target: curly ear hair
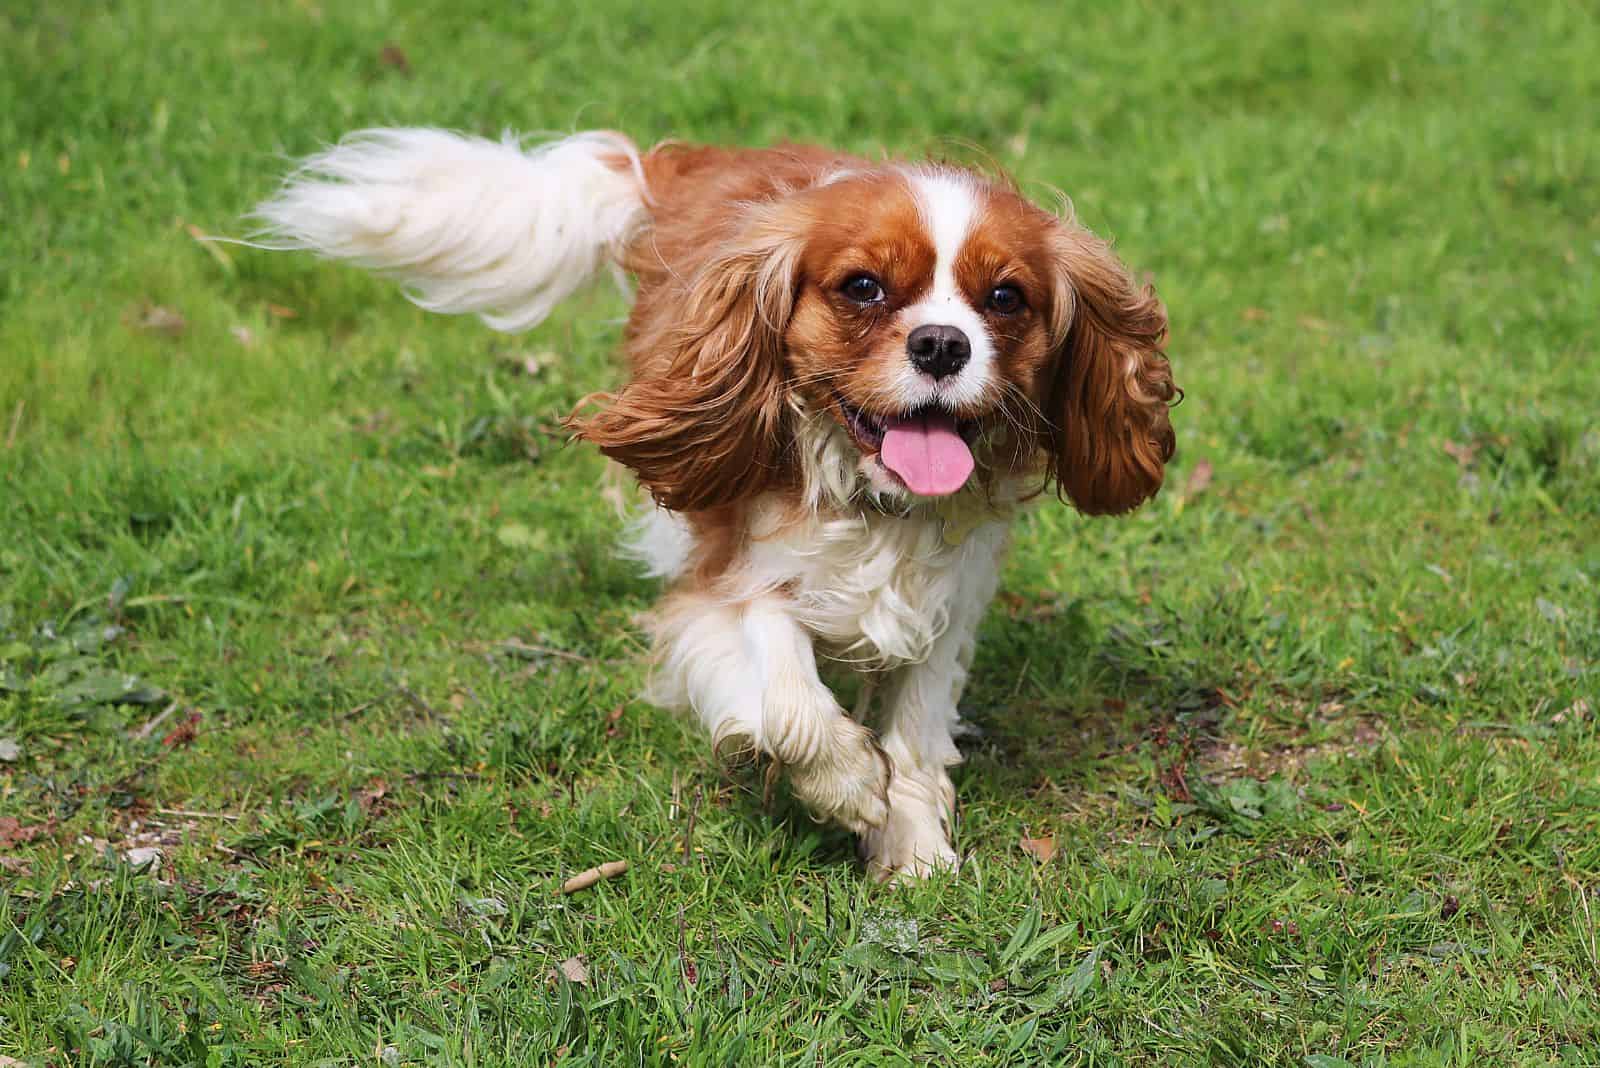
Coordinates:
(1112,435)
(707,427)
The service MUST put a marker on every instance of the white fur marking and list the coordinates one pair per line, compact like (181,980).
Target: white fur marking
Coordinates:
(877,589)
(661,541)
(949,204)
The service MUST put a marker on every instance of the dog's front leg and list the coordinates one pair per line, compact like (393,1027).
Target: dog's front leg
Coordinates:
(919,720)
(749,673)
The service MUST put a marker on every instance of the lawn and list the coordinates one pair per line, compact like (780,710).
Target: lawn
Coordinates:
(319,673)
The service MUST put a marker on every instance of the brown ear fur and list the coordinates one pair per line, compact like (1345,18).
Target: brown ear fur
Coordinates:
(706,427)
(1112,436)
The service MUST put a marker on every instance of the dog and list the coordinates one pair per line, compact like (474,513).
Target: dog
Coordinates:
(844,378)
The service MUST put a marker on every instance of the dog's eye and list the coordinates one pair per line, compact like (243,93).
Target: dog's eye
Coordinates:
(863,289)
(1005,300)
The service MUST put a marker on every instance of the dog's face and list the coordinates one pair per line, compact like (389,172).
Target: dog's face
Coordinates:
(922,325)
(952,331)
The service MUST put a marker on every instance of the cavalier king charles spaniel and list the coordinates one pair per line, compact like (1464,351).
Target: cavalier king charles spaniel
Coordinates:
(844,376)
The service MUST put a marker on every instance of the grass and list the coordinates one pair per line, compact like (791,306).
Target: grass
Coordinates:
(303,590)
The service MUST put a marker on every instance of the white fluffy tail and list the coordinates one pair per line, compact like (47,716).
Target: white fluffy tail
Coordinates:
(467,225)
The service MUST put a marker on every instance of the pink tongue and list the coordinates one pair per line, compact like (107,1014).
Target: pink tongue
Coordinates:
(927,454)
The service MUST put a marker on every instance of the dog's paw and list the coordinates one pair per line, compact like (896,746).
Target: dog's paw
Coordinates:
(910,845)
(847,781)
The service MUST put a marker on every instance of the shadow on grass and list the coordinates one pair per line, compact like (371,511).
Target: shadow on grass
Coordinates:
(1055,700)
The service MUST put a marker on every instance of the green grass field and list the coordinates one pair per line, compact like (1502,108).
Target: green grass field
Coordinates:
(318,671)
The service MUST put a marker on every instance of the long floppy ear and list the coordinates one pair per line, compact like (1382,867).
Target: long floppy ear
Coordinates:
(1112,436)
(707,427)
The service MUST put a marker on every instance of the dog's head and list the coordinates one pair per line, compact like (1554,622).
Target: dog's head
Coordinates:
(934,325)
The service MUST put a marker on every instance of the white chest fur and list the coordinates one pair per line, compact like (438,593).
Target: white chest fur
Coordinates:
(876,590)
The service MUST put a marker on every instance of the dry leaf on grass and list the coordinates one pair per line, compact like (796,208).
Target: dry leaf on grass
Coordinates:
(160,319)
(1577,710)
(139,856)
(12,832)
(576,970)
(1465,455)
(375,792)
(394,56)
(1041,849)
(184,733)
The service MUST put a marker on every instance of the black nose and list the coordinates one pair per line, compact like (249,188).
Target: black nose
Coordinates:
(938,350)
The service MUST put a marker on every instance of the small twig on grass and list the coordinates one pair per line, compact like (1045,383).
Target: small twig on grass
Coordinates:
(585,879)
(16,422)
(417,702)
(139,734)
(1022,677)
(688,830)
(356,711)
(429,776)
(197,815)
(512,645)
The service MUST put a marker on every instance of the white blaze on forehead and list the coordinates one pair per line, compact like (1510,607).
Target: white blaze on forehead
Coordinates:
(949,203)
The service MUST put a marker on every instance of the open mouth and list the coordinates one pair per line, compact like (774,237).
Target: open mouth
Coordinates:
(927,448)
(869,429)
